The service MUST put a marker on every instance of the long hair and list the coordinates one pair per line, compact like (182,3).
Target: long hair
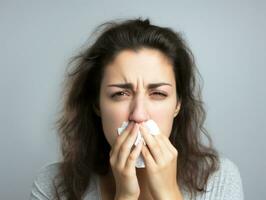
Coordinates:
(85,150)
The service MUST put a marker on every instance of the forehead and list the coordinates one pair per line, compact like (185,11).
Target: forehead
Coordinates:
(148,65)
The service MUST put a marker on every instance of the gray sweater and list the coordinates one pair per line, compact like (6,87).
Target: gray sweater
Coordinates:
(224,184)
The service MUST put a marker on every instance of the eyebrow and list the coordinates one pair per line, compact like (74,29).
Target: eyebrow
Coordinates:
(130,85)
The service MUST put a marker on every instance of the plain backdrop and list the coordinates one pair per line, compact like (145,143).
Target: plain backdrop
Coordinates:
(37,39)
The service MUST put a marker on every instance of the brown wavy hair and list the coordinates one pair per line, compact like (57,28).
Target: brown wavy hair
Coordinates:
(85,150)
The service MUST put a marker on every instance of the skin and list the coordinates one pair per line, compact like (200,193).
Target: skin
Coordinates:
(136,87)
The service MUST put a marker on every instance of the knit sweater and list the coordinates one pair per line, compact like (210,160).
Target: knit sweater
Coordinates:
(224,184)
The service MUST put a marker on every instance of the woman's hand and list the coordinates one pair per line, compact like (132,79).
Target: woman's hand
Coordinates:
(123,160)
(160,158)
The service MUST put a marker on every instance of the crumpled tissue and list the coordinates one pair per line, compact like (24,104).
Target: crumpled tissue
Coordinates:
(152,129)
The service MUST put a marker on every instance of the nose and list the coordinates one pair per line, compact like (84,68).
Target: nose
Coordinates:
(138,110)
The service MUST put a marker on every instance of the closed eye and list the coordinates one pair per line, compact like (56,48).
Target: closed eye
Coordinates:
(159,94)
(120,93)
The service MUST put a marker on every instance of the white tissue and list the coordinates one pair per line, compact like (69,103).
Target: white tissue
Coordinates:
(152,129)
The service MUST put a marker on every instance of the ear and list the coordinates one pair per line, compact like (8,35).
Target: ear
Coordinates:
(96,109)
(178,105)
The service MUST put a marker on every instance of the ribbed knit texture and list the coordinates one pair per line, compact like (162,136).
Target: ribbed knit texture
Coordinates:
(224,184)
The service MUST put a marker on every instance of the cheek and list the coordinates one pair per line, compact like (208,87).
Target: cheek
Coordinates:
(112,118)
(165,123)
(164,117)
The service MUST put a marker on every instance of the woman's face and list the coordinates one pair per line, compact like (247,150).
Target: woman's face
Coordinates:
(138,86)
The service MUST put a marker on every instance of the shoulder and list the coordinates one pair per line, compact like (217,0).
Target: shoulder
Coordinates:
(226,182)
(43,185)
(228,171)
(48,171)
(227,167)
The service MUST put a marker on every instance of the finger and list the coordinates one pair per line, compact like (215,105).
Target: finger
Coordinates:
(131,161)
(120,139)
(167,154)
(164,148)
(152,144)
(148,159)
(126,147)
(169,145)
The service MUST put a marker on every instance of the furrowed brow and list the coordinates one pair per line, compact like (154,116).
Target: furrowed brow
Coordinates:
(130,85)
(122,85)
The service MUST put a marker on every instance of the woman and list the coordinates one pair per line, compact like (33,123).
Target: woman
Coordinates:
(135,72)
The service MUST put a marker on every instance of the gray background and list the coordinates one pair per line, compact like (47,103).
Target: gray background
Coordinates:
(37,38)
